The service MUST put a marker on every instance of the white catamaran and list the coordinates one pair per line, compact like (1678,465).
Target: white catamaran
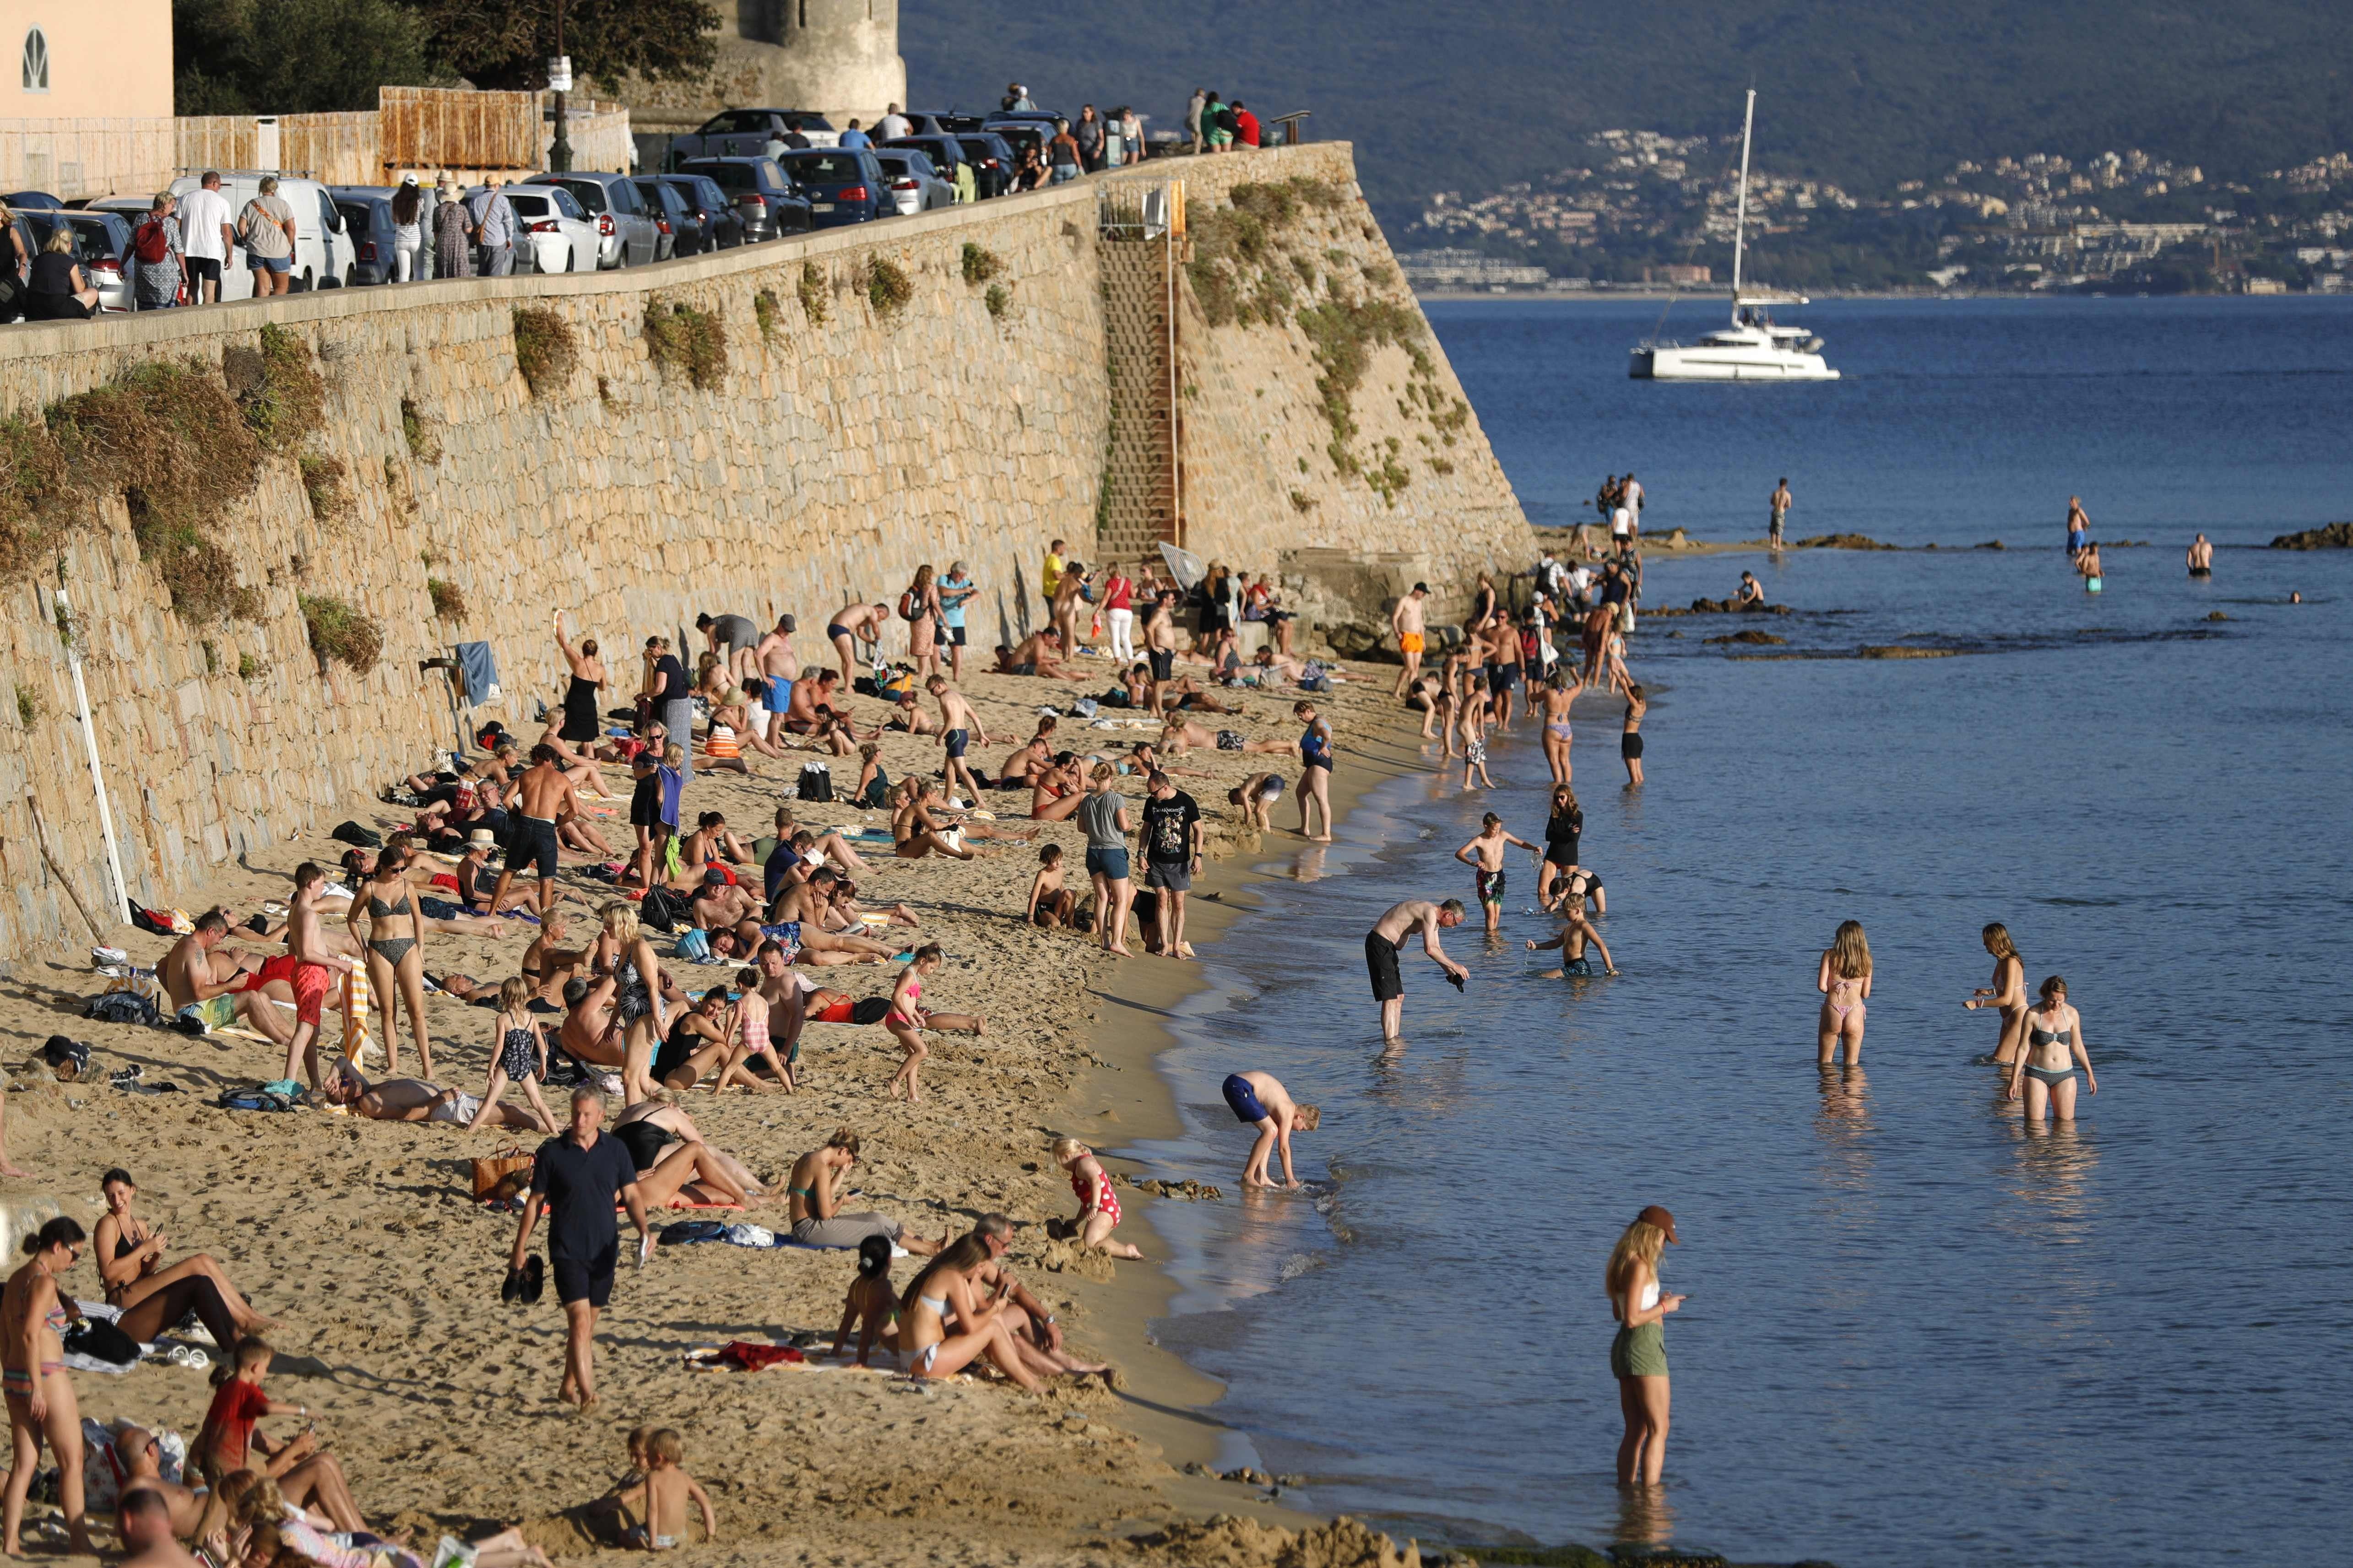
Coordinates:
(1753,348)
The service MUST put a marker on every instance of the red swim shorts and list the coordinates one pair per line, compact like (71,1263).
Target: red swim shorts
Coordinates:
(278,968)
(310,991)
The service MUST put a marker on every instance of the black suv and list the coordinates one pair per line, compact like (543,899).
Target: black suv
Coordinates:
(764,196)
(716,223)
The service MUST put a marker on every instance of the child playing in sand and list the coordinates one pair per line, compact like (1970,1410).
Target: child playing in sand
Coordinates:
(1051,905)
(872,1306)
(1257,797)
(1098,1204)
(518,1055)
(661,1499)
(905,1021)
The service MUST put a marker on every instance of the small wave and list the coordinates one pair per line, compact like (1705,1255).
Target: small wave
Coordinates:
(1300,1263)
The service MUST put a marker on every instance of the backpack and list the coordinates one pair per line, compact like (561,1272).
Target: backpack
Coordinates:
(662,910)
(150,242)
(911,606)
(816,783)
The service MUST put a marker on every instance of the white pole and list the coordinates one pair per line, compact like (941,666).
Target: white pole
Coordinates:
(97,778)
(1740,224)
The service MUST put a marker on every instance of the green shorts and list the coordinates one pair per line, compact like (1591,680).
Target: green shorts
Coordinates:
(1639,1353)
(214,1013)
(1222,137)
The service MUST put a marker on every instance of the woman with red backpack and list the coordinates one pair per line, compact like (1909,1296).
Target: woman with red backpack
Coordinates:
(156,261)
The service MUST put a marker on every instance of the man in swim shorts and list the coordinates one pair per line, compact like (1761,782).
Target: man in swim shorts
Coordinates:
(1408,624)
(315,965)
(2202,558)
(219,988)
(1389,934)
(1259,1099)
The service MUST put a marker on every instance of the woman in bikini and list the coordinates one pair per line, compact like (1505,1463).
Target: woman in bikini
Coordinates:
(1098,1204)
(815,1206)
(1844,981)
(41,1402)
(622,951)
(1553,702)
(2045,1069)
(1058,790)
(395,956)
(1629,743)
(699,1037)
(922,611)
(905,1021)
(2007,992)
(916,832)
(131,1268)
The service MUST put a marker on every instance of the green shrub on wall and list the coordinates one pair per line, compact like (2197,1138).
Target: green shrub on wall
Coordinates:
(688,341)
(279,388)
(980,264)
(340,633)
(32,493)
(768,313)
(322,481)
(815,300)
(999,300)
(545,349)
(887,287)
(423,444)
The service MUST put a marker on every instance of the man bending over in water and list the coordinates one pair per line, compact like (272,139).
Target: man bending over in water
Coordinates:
(1259,1099)
(1388,935)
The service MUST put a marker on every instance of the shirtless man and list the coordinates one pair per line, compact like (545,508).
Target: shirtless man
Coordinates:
(1177,734)
(2079,527)
(317,966)
(800,911)
(960,727)
(415,1100)
(1259,1099)
(1780,505)
(543,798)
(1484,856)
(786,995)
(149,1530)
(1025,763)
(2202,558)
(1160,646)
(811,713)
(547,963)
(220,988)
(1389,934)
(779,666)
(1035,655)
(143,1471)
(1408,623)
(1069,592)
(850,626)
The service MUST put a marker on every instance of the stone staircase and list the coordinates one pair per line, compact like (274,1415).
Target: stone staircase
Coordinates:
(1142,505)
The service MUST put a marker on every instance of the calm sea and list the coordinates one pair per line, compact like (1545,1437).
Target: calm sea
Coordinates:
(1917,1332)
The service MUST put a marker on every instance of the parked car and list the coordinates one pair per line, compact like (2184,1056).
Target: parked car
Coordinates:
(944,152)
(993,160)
(101,245)
(764,196)
(628,227)
(324,256)
(367,222)
(40,201)
(716,224)
(1020,135)
(934,121)
(915,185)
(669,216)
(555,235)
(748,132)
(843,185)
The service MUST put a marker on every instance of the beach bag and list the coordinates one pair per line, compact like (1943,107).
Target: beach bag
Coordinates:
(816,783)
(359,838)
(662,910)
(150,922)
(151,243)
(103,1341)
(491,1172)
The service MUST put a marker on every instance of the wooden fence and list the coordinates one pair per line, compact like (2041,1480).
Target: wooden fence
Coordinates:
(413,129)
(340,149)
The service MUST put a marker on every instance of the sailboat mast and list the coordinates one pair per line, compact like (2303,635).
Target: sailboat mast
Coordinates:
(1740,223)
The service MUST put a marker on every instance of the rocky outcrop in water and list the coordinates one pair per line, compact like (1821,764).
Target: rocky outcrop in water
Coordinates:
(1752,636)
(2336,536)
(1842,541)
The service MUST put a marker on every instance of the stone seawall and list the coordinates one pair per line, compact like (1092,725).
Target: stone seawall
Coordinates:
(874,409)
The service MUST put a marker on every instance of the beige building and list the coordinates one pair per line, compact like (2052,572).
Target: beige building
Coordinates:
(85,95)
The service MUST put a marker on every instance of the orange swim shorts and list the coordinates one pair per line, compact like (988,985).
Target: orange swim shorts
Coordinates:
(1409,642)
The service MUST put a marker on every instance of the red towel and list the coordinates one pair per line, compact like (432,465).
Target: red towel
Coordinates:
(752,1358)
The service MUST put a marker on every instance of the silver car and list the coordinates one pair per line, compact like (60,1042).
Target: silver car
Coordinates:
(626,232)
(915,185)
(101,246)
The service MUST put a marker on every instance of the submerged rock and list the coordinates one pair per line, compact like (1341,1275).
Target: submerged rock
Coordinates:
(2215,615)
(1842,541)
(1907,652)
(1751,635)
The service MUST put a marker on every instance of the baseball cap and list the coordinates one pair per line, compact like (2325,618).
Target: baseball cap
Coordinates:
(1659,1216)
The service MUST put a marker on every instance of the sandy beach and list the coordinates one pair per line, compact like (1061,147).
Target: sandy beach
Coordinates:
(362,1238)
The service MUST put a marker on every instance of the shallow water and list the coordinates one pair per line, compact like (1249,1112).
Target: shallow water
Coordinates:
(1916,1332)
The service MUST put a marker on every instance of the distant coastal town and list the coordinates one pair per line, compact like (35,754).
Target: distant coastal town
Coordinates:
(1652,212)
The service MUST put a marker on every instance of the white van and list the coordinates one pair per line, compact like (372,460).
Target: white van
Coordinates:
(324,256)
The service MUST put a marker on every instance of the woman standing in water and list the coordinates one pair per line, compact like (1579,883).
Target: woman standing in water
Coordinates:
(1638,1354)
(2054,1044)
(1553,703)
(1563,831)
(1629,744)
(2007,992)
(1844,981)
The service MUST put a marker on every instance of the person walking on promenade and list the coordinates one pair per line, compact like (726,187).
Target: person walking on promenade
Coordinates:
(1844,981)
(1638,1355)
(576,1179)
(1387,937)
(453,249)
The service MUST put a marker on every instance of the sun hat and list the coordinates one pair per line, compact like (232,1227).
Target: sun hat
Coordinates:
(481,839)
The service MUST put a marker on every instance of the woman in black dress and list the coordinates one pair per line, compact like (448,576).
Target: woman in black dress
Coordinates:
(583,718)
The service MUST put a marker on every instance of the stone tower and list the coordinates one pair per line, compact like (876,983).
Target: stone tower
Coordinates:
(838,57)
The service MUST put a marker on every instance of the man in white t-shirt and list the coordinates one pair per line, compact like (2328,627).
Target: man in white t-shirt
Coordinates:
(1621,524)
(892,125)
(1634,503)
(208,238)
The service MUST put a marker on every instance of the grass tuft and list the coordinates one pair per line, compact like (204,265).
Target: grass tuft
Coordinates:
(449,599)
(279,389)
(769,313)
(887,287)
(341,633)
(817,301)
(34,497)
(423,444)
(324,481)
(999,300)
(545,349)
(688,341)
(980,264)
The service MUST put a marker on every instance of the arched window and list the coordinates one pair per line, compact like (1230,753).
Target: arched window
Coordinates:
(37,62)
